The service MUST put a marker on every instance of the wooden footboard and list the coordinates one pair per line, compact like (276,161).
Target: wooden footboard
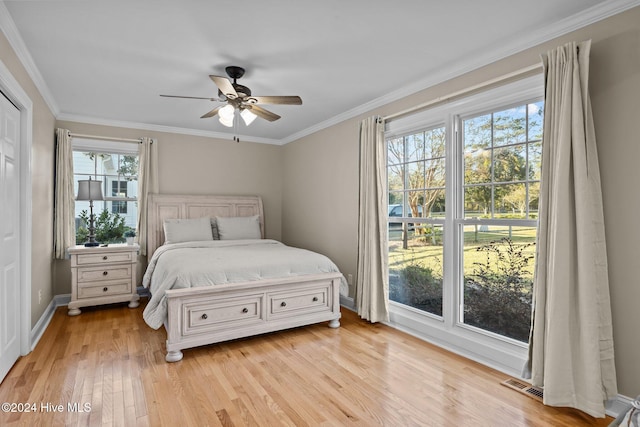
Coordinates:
(205,315)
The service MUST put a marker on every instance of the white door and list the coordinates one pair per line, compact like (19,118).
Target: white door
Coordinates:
(9,235)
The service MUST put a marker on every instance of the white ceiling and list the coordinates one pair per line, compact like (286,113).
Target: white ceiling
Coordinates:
(107,62)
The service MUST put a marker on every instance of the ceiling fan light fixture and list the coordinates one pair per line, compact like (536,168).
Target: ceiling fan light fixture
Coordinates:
(227,111)
(247,116)
(226,121)
(226,115)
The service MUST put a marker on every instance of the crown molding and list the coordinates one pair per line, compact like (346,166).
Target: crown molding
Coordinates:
(162,128)
(447,72)
(10,31)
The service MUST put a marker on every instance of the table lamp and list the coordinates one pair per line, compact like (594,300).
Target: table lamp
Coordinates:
(90,190)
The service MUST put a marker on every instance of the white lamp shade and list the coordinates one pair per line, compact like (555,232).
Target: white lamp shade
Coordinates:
(228,122)
(226,114)
(89,190)
(226,111)
(247,116)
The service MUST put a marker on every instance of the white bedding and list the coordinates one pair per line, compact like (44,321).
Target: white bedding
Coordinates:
(205,263)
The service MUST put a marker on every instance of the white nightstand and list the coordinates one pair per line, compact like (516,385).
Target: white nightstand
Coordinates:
(103,275)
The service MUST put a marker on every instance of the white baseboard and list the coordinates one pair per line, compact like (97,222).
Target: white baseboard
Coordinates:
(42,324)
(347,302)
(618,405)
(45,319)
(62,300)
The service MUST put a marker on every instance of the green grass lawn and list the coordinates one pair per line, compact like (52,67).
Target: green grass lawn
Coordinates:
(421,249)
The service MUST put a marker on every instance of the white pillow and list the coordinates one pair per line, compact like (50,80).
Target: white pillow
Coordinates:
(187,230)
(240,227)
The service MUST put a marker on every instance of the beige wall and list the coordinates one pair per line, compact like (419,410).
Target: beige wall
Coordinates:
(320,174)
(320,187)
(199,165)
(42,155)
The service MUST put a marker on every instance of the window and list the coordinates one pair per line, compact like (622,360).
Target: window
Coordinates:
(416,182)
(502,161)
(116,165)
(463,184)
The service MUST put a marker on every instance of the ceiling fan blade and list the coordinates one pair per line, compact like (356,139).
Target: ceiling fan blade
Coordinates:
(265,114)
(225,86)
(188,97)
(283,100)
(211,113)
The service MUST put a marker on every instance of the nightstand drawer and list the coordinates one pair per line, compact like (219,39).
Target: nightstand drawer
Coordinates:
(93,274)
(104,258)
(104,289)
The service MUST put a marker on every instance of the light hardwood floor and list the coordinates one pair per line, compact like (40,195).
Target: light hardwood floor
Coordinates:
(359,374)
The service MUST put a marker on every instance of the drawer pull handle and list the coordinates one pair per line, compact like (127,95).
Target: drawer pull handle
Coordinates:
(204,316)
(104,273)
(245,310)
(283,304)
(105,257)
(315,299)
(105,289)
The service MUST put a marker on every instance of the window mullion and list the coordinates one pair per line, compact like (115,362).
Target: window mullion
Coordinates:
(452,213)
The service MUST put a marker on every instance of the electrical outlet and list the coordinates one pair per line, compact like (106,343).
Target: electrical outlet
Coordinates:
(350,279)
(40,296)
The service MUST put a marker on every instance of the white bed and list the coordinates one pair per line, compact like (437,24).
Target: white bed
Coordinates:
(242,299)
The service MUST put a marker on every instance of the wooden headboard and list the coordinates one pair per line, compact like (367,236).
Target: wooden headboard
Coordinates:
(168,206)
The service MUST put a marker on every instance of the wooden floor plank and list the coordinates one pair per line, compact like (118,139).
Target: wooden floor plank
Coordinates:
(359,374)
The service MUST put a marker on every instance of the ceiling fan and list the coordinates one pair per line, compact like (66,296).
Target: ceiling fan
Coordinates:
(238,97)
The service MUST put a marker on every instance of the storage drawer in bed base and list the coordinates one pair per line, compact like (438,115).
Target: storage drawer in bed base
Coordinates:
(205,315)
(201,315)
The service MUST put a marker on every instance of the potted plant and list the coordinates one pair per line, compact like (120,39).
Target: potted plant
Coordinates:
(130,235)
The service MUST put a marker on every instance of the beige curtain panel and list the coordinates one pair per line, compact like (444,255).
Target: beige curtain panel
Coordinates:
(571,343)
(372,284)
(147,184)
(64,230)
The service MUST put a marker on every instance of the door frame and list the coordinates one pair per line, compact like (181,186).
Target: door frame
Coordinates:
(14,92)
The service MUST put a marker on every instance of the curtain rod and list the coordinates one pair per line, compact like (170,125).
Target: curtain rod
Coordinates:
(106,138)
(518,73)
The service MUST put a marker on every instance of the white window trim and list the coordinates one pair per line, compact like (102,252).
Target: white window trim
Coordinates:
(500,353)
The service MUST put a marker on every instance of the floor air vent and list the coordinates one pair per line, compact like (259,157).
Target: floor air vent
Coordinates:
(524,388)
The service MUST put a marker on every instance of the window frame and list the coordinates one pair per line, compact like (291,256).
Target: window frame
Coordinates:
(120,148)
(448,331)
